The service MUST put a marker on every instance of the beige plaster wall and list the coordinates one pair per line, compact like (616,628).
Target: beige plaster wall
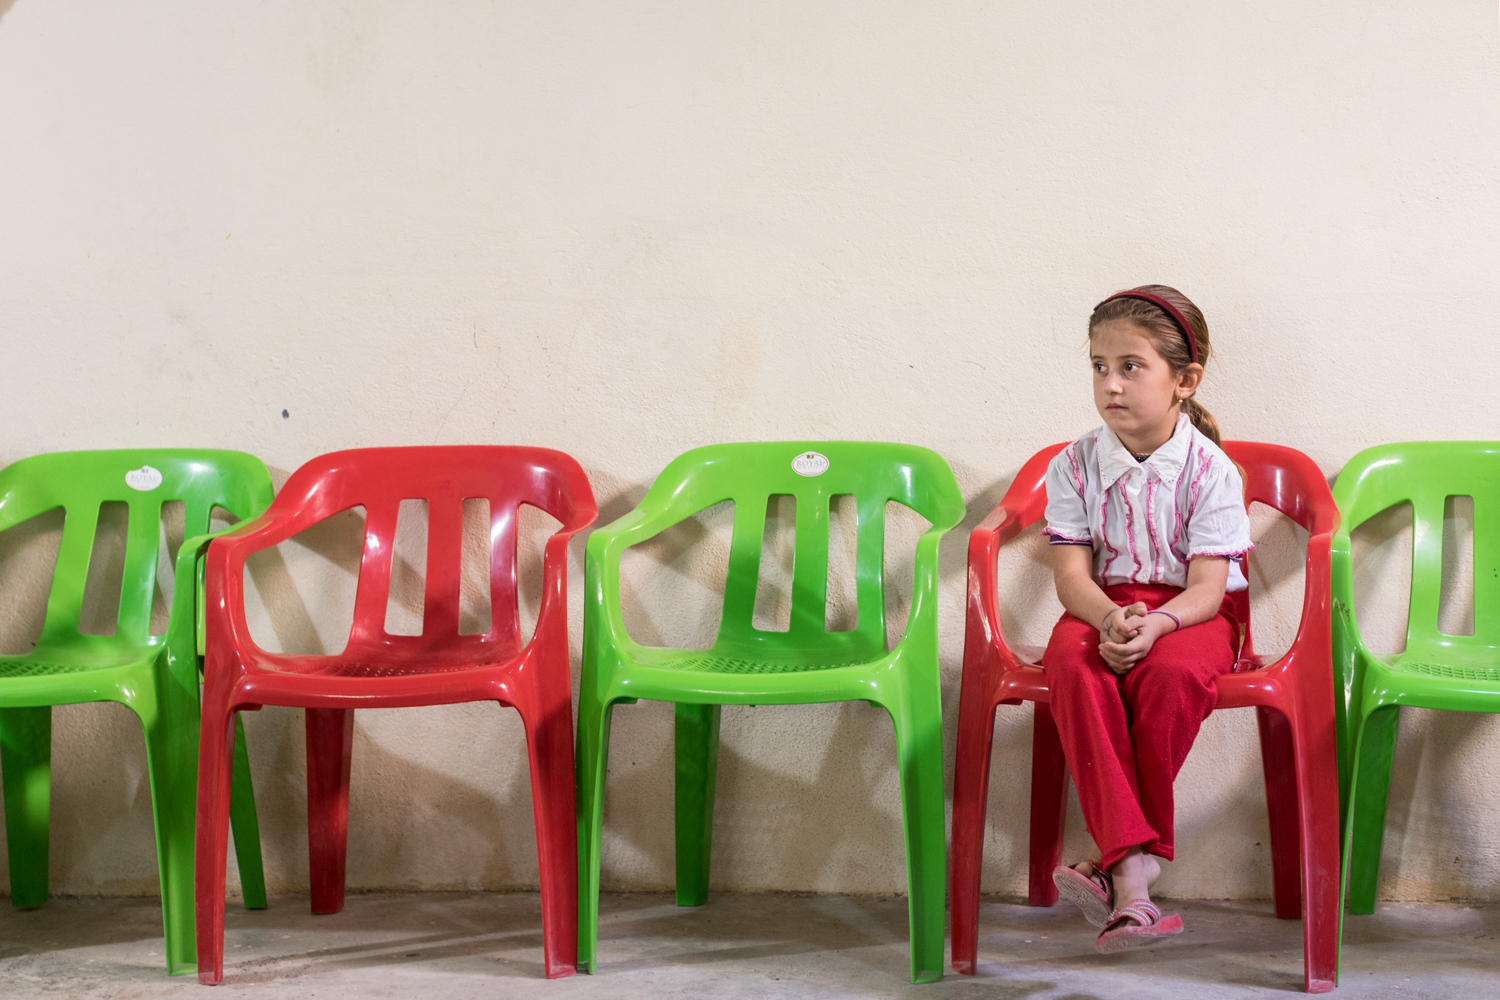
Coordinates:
(624,230)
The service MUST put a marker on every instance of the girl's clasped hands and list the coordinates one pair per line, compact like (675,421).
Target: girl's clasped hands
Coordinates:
(1127,634)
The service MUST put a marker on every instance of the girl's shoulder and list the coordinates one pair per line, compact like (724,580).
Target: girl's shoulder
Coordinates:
(1209,462)
(1076,458)
(1080,449)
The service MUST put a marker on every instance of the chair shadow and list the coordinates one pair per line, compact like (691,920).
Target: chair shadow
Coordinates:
(1218,949)
(491,927)
(1453,937)
(734,927)
(1444,745)
(399,808)
(785,815)
(87,921)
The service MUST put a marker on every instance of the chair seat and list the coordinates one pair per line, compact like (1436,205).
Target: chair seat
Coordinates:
(54,665)
(336,667)
(1453,671)
(711,663)
(1462,682)
(1031,656)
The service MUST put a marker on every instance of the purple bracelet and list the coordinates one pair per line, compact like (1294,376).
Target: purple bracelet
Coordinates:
(1164,611)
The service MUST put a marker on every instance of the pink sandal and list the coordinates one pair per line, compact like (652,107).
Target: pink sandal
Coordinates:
(1149,927)
(1093,893)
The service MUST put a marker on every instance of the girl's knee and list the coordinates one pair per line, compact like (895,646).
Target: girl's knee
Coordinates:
(1173,682)
(1071,654)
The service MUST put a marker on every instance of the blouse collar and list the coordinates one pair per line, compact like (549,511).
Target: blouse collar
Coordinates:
(1165,462)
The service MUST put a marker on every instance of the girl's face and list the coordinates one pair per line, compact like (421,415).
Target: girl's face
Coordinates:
(1135,390)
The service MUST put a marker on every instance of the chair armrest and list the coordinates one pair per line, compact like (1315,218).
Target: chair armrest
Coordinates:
(224,566)
(1023,504)
(602,560)
(185,626)
(1349,654)
(925,566)
(12,513)
(1341,588)
(984,636)
(1325,568)
(554,604)
(1315,625)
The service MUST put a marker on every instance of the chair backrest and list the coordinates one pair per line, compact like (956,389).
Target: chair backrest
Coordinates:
(814,473)
(1287,480)
(378,479)
(80,482)
(1426,474)
(1277,476)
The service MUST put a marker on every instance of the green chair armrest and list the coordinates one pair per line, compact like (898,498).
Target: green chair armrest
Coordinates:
(605,547)
(185,628)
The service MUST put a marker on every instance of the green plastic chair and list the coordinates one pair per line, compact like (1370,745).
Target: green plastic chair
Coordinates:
(155,676)
(749,666)
(1455,672)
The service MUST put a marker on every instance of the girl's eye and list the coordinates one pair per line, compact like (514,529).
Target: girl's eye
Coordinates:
(1131,366)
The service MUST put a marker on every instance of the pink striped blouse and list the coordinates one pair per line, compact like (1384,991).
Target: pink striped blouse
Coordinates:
(1147,520)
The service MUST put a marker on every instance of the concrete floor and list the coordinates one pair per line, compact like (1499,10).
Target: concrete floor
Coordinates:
(460,945)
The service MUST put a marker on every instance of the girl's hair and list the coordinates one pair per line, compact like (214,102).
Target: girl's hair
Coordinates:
(1166,337)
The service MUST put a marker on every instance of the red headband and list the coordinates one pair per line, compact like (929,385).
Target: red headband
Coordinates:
(1169,309)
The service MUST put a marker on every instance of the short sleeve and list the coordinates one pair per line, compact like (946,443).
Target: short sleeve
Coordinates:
(1067,512)
(1218,524)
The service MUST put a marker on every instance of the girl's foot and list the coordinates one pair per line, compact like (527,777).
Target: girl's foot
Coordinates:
(1137,924)
(1088,887)
(1134,874)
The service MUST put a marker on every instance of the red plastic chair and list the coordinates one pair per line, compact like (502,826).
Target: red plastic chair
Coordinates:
(1293,699)
(377,670)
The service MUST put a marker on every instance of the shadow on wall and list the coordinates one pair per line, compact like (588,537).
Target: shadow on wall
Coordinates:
(438,799)
(5,6)
(807,799)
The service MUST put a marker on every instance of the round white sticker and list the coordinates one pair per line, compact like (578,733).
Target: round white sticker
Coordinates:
(144,479)
(810,463)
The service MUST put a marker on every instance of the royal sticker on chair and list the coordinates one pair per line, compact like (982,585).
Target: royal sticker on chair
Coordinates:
(144,479)
(810,463)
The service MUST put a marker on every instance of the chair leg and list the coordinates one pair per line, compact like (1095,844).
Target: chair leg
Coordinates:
(593,764)
(971,782)
(1279,764)
(211,854)
(170,726)
(1316,756)
(1369,784)
(697,744)
(330,746)
(549,744)
(1049,803)
(919,746)
(26,771)
(246,826)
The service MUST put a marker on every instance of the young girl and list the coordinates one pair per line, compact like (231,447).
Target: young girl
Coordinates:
(1147,521)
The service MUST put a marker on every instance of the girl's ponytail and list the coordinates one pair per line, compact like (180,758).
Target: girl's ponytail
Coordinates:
(1168,337)
(1202,419)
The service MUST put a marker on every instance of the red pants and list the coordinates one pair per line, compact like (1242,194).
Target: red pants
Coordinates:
(1126,737)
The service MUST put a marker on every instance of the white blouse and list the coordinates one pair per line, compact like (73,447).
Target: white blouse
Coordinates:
(1147,520)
